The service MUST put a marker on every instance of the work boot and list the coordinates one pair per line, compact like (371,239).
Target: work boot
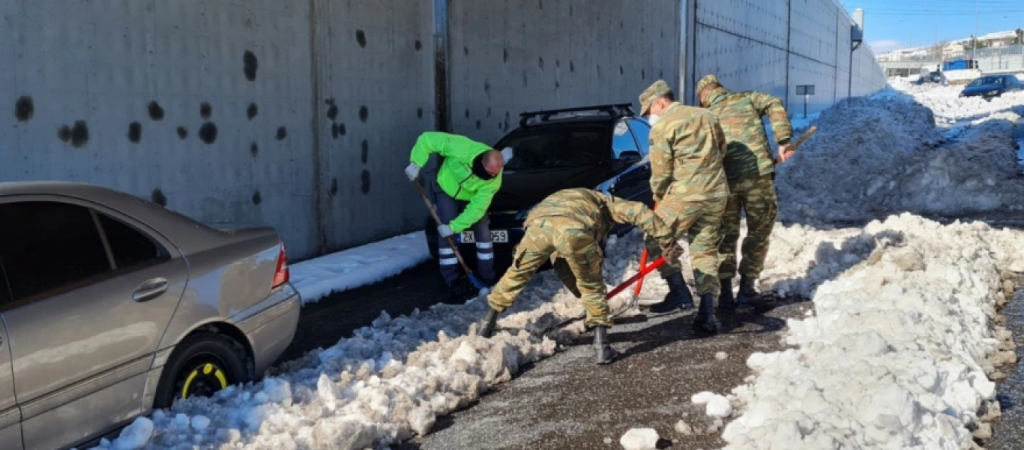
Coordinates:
(704,321)
(605,352)
(487,326)
(748,295)
(726,301)
(678,297)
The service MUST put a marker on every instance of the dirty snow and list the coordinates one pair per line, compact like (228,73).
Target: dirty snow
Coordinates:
(359,266)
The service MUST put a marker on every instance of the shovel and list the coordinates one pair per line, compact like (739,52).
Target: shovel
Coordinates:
(451,240)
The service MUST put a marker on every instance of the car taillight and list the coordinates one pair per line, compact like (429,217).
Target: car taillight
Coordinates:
(281,275)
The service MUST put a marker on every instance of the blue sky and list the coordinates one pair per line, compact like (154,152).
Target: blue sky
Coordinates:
(892,24)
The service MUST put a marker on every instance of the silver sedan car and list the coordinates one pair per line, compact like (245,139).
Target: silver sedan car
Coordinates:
(111,306)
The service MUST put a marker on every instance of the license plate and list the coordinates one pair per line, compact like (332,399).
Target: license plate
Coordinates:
(497,236)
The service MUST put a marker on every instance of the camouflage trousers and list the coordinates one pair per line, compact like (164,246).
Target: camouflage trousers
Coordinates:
(699,221)
(577,260)
(755,196)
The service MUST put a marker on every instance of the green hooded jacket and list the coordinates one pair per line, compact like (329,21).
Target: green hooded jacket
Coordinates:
(456,176)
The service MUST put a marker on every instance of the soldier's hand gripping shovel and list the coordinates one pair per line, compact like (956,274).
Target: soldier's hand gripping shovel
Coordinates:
(803,138)
(451,240)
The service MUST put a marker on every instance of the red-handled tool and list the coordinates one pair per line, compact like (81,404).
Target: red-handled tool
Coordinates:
(634,300)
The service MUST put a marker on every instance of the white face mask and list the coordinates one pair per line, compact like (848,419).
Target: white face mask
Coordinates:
(653,119)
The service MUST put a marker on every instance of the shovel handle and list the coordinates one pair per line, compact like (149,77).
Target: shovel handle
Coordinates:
(803,138)
(640,275)
(433,213)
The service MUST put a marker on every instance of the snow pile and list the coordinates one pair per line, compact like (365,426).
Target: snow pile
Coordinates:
(389,381)
(899,353)
(894,159)
(359,266)
(640,439)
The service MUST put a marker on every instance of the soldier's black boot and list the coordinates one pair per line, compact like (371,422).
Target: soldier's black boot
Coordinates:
(487,327)
(605,352)
(460,290)
(726,301)
(678,297)
(704,321)
(748,295)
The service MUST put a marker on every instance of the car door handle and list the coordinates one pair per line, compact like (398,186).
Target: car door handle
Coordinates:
(149,290)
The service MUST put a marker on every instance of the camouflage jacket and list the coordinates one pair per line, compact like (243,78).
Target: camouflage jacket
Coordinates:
(687,147)
(739,114)
(599,213)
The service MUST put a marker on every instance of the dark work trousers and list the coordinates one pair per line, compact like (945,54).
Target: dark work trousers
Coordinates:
(447,209)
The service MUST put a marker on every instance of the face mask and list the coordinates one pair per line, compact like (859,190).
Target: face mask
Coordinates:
(653,119)
(479,170)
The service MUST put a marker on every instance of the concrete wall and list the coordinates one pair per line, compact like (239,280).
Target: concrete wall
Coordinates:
(775,45)
(512,56)
(300,114)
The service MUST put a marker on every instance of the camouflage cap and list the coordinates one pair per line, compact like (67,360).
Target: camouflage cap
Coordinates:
(652,93)
(708,79)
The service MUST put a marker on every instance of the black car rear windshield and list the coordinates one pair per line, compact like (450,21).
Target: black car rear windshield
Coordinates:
(557,147)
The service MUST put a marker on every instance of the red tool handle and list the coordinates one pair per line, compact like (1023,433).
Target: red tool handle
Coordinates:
(639,276)
(643,264)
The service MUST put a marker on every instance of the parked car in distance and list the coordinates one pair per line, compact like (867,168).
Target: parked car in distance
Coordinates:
(111,306)
(991,86)
(931,77)
(600,147)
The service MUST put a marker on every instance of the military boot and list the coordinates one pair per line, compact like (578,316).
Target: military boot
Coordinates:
(604,350)
(704,321)
(726,301)
(678,297)
(487,326)
(460,290)
(748,295)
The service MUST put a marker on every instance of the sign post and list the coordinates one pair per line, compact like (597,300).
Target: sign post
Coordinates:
(805,90)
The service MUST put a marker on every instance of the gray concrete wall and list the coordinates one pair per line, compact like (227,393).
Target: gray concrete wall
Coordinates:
(775,45)
(300,114)
(512,56)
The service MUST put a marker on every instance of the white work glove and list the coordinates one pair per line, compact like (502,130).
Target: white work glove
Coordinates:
(507,153)
(444,231)
(413,171)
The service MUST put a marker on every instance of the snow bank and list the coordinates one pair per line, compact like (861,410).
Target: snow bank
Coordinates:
(899,353)
(894,159)
(359,266)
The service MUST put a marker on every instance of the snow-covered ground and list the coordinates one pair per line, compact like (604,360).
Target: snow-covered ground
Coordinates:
(900,353)
(359,266)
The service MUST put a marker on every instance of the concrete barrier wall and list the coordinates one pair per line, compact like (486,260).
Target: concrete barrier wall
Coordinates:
(512,56)
(300,114)
(774,46)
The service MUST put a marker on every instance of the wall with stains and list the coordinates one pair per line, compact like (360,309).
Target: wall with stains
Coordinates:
(511,56)
(200,105)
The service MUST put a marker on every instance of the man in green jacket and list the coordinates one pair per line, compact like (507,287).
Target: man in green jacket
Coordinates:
(750,168)
(466,182)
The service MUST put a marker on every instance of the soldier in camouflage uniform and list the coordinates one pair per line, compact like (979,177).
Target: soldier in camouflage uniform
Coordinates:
(691,190)
(750,169)
(567,228)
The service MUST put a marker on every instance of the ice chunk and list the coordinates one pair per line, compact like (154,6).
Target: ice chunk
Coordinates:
(683,428)
(721,356)
(719,406)
(640,439)
(135,436)
(200,423)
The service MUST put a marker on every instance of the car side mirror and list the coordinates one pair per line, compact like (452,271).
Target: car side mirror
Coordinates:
(629,156)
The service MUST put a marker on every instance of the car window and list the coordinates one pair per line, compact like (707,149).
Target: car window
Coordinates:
(642,132)
(130,247)
(557,146)
(623,140)
(48,246)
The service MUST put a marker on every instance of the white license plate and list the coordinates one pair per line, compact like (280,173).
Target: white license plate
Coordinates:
(497,236)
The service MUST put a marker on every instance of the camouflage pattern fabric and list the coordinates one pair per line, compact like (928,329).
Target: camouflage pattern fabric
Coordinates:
(689,184)
(687,147)
(756,196)
(567,228)
(699,222)
(739,114)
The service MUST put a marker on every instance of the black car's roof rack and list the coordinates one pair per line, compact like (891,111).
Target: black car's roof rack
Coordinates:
(615,110)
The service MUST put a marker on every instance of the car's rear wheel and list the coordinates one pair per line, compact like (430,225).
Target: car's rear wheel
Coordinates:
(202,364)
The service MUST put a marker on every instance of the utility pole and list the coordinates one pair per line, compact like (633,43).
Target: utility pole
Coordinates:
(974,45)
